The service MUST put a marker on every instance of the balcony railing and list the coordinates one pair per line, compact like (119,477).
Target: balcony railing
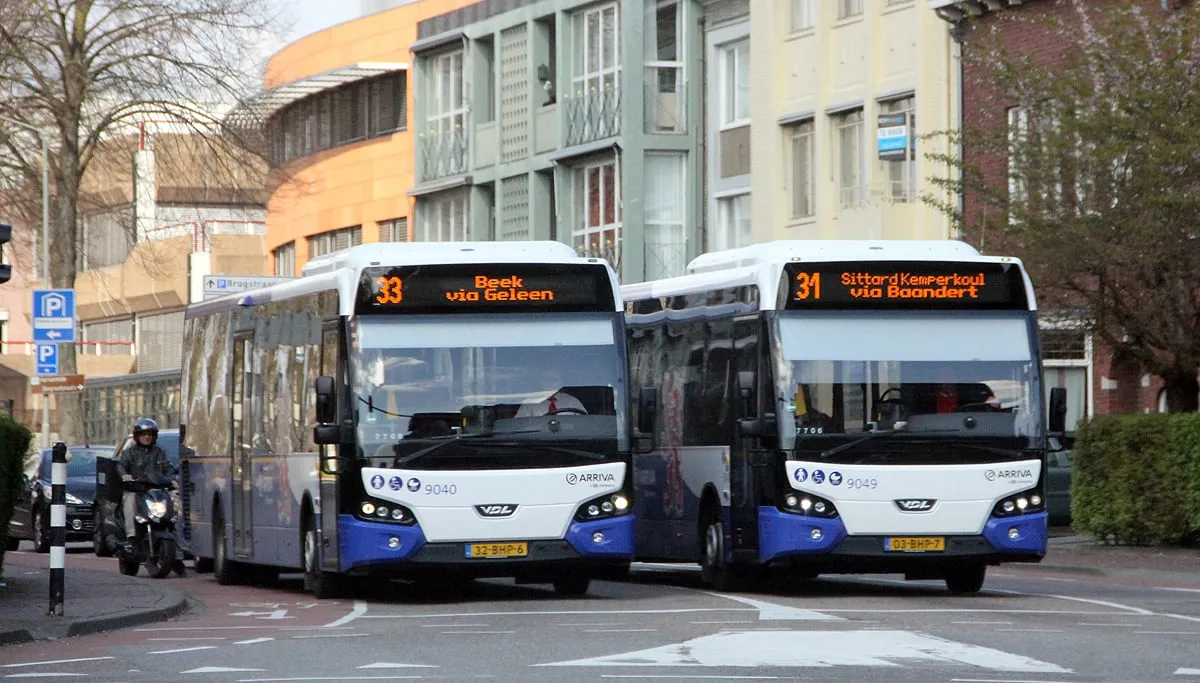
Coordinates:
(200,231)
(443,154)
(592,116)
(664,259)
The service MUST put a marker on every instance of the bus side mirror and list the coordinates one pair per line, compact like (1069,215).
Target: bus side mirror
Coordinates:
(745,380)
(326,414)
(327,434)
(757,427)
(1058,410)
(647,410)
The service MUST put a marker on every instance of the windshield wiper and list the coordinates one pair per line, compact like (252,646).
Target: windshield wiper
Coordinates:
(370,401)
(446,441)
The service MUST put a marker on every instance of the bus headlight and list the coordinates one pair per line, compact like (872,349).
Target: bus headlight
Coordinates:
(809,505)
(375,510)
(1023,503)
(604,507)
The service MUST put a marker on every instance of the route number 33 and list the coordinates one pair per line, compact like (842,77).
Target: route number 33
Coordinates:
(390,290)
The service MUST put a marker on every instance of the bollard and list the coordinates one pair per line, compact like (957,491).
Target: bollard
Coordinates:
(58,526)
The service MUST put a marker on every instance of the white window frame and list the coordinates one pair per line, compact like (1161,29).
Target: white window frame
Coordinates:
(851,181)
(285,255)
(605,226)
(730,210)
(655,66)
(664,232)
(443,117)
(801,138)
(848,9)
(589,81)
(802,15)
(438,219)
(734,96)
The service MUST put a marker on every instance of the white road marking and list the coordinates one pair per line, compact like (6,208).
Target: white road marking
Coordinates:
(455,615)
(1001,680)
(201,628)
(1181,590)
(984,623)
(1187,672)
(1029,630)
(190,639)
(53,661)
(465,633)
(1084,623)
(253,641)
(1169,633)
(217,670)
(696,678)
(1180,616)
(1100,603)
(396,665)
(769,611)
(452,625)
(184,649)
(620,630)
(332,635)
(821,649)
(723,622)
(272,615)
(331,678)
(359,610)
(41,675)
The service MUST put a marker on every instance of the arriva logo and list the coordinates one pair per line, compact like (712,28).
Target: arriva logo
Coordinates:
(591,478)
(496,510)
(992,475)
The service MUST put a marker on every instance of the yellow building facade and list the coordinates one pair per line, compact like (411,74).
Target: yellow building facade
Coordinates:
(840,92)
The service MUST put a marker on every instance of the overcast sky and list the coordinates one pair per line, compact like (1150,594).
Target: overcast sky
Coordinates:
(314,15)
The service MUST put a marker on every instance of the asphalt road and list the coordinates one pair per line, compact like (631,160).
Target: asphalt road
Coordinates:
(1026,626)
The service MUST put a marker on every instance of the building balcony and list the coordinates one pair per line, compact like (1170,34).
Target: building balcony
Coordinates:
(592,116)
(441,154)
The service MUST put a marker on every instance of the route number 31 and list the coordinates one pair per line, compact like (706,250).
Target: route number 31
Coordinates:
(808,285)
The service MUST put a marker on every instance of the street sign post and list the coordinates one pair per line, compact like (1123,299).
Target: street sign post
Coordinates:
(54,315)
(47,359)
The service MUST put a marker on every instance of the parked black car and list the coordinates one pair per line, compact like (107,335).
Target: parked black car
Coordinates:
(106,504)
(1058,483)
(31,514)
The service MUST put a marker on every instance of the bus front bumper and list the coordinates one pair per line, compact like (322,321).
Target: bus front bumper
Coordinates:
(380,547)
(818,542)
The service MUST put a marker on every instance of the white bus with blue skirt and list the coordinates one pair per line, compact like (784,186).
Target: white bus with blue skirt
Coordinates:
(448,410)
(841,407)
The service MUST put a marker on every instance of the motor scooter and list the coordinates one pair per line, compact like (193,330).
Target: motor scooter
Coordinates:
(155,543)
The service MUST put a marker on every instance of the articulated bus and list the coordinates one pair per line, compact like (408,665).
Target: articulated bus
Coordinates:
(840,407)
(440,410)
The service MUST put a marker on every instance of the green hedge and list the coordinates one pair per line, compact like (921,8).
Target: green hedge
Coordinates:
(1137,478)
(14,444)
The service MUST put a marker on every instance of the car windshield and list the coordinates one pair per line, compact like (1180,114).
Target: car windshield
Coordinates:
(918,375)
(422,380)
(81,464)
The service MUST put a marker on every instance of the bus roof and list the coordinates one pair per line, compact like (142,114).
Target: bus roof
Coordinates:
(340,270)
(762,264)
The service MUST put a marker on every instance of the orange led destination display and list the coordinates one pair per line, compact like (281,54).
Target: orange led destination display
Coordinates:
(488,287)
(917,285)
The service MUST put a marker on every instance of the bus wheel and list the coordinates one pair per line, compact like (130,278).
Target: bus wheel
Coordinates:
(224,570)
(966,579)
(713,569)
(573,584)
(323,585)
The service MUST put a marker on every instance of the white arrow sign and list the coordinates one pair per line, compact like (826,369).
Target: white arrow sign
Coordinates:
(54,334)
(277,614)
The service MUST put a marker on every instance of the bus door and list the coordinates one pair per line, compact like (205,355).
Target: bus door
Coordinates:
(242,490)
(744,451)
(328,504)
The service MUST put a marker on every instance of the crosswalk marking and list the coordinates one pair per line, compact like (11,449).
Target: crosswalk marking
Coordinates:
(874,648)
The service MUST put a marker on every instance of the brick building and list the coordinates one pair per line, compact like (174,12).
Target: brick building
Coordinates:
(1097,379)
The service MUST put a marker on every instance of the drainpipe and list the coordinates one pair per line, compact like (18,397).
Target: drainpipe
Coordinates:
(958,32)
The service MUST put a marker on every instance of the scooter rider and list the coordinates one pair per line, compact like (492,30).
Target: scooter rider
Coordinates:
(137,462)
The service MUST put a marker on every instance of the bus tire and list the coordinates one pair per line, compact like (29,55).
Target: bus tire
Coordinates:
(966,579)
(225,570)
(572,584)
(713,568)
(322,584)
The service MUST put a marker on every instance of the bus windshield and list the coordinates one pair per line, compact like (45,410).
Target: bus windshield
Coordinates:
(921,375)
(490,391)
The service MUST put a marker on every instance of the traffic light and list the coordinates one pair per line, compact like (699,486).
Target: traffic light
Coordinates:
(5,236)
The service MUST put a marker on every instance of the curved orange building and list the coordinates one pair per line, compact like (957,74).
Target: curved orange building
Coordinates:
(336,117)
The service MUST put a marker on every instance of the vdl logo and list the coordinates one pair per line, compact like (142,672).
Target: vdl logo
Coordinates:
(496,510)
(915,504)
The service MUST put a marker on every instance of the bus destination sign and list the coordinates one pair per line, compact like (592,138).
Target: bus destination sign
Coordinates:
(898,285)
(492,287)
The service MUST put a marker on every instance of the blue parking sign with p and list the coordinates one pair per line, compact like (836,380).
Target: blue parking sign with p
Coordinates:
(54,315)
(47,359)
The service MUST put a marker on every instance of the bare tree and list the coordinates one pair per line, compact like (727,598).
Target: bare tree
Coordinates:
(84,69)
(1087,165)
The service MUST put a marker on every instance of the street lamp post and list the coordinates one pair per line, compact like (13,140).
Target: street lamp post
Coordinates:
(43,135)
